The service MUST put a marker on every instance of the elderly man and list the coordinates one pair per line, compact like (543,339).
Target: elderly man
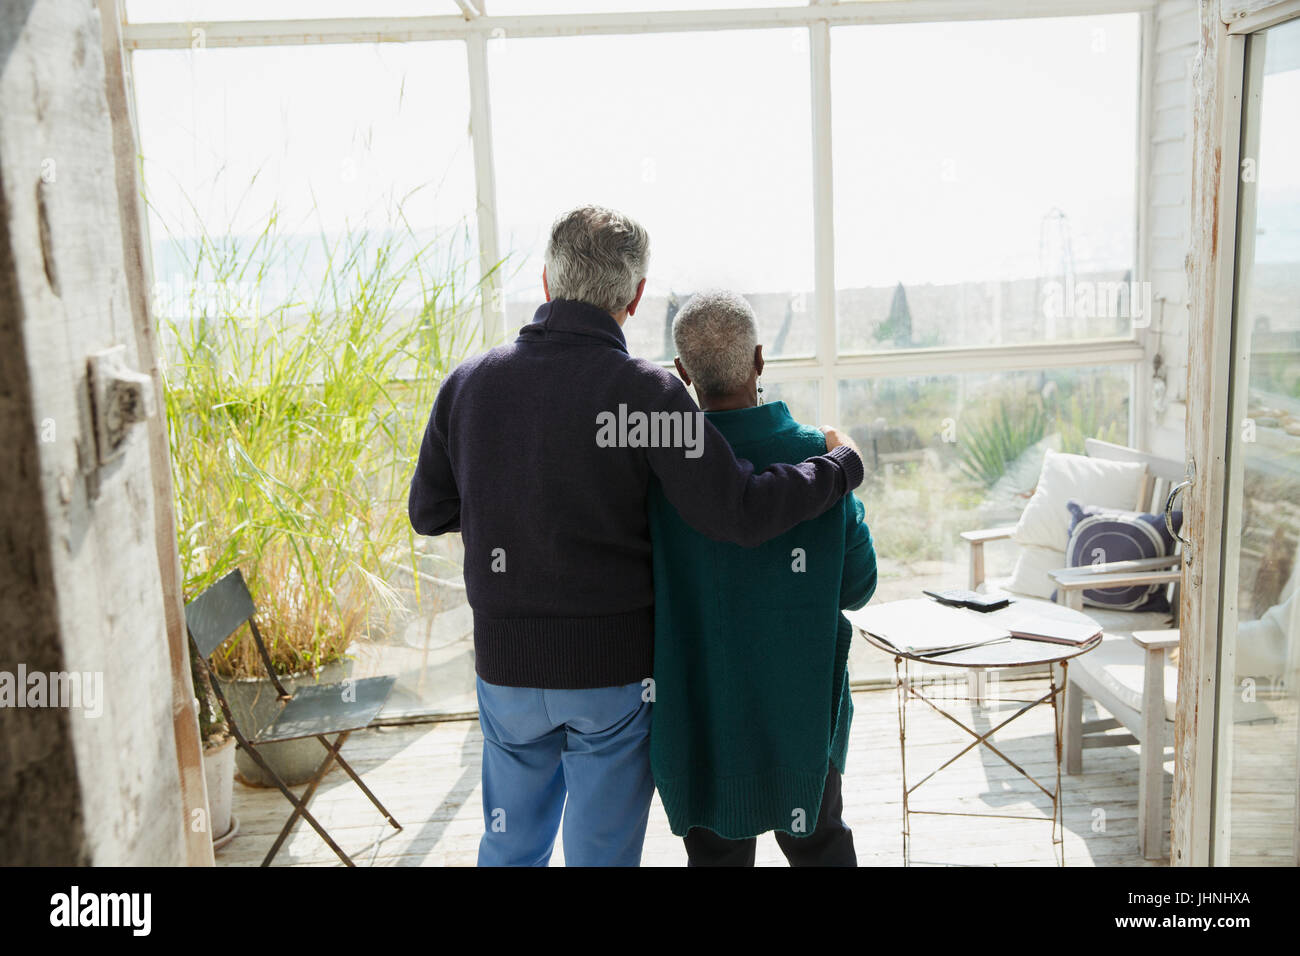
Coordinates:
(540,453)
(752,711)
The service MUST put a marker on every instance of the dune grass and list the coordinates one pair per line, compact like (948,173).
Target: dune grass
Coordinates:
(295,427)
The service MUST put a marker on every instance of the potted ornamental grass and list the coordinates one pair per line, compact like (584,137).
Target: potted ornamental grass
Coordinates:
(294,430)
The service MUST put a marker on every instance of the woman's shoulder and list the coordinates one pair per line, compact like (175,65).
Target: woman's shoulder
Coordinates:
(809,438)
(791,444)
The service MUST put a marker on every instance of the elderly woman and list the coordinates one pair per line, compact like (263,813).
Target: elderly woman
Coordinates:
(752,706)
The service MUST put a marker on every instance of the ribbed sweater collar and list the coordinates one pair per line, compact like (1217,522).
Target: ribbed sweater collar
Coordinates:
(577,323)
(741,425)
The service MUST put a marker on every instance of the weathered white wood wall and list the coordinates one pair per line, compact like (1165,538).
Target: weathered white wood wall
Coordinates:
(79,563)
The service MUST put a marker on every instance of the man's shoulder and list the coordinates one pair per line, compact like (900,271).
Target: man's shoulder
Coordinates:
(467,367)
(493,356)
(650,372)
(650,383)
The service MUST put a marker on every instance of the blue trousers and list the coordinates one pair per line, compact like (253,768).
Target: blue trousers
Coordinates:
(540,746)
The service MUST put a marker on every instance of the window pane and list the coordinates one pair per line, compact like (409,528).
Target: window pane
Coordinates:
(1257,810)
(989,197)
(313,270)
(799,395)
(191,11)
(936,467)
(702,137)
(327,141)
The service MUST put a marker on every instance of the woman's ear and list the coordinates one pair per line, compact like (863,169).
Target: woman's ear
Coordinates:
(686,379)
(758,359)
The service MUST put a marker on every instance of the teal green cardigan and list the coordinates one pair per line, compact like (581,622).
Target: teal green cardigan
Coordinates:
(751,686)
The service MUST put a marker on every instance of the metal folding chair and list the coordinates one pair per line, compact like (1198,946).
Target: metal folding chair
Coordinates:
(316,711)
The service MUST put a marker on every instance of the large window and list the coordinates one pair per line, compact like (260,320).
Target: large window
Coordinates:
(919,213)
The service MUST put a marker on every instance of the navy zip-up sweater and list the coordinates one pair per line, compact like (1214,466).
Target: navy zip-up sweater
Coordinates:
(517,457)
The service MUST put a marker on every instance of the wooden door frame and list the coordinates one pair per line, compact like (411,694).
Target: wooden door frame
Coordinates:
(185,727)
(1211,273)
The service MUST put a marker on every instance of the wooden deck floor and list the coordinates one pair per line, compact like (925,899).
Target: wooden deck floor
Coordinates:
(428,776)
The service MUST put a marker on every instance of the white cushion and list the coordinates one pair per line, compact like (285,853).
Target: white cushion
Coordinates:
(1126,622)
(1030,574)
(1119,665)
(1091,481)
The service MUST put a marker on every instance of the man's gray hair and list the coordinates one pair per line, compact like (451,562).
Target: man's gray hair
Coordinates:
(598,256)
(715,335)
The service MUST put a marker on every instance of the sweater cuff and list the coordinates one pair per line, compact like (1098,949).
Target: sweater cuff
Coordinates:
(850,463)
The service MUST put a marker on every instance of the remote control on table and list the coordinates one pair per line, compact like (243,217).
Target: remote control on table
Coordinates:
(963,597)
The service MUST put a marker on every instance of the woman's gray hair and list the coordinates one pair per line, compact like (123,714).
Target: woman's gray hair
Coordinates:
(597,256)
(715,335)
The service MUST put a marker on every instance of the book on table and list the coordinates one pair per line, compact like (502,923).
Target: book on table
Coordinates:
(1053,630)
(924,628)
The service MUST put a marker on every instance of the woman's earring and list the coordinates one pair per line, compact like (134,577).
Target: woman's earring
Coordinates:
(760,390)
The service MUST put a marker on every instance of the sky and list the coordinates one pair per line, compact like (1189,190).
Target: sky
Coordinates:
(145,11)
(962,151)
(1278,164)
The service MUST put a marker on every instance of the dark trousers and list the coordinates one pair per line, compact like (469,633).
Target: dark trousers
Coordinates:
(830,843)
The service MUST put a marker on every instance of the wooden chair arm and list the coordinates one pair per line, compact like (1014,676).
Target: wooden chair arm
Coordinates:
(988,534)
(1110,567)
(1067,580)
(976,540)
(1156,640)
(1090,574)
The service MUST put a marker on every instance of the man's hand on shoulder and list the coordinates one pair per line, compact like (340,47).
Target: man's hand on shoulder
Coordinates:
(835,438)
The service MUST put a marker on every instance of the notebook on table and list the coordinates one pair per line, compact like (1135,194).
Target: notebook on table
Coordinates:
(1041,627)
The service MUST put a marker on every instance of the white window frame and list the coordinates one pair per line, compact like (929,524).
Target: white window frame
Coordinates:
(477,29)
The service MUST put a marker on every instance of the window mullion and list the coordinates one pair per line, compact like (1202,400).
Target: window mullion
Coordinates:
(480,125)
(823,215)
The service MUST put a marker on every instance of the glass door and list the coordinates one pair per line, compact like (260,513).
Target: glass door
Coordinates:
(1256,809)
